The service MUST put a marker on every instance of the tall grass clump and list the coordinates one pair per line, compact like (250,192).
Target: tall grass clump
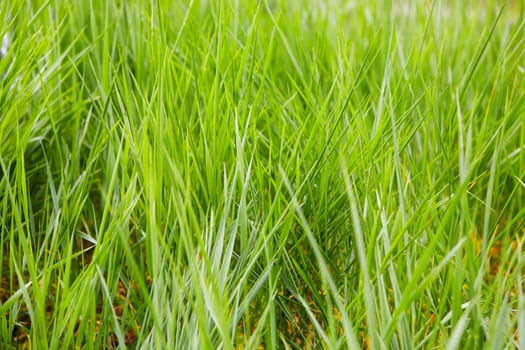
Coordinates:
(266,174)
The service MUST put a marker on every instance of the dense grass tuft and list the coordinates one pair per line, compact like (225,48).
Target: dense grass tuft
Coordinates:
(262,174)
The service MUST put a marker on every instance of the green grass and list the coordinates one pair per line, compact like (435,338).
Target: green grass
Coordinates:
(277,174)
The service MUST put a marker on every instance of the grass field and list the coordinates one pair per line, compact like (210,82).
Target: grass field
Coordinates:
(273,174)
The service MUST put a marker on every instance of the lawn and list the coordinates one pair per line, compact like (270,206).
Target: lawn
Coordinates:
(271,174)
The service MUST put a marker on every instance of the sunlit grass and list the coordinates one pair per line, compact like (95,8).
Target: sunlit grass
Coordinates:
(262,174)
